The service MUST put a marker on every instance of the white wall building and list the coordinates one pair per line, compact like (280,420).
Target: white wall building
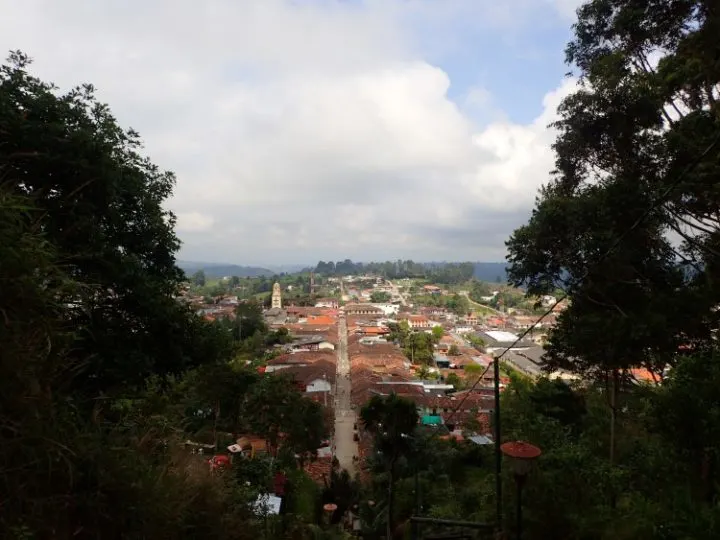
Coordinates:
(388,309)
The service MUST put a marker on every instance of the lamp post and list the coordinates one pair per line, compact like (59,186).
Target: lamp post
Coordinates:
(329,510)
(522,456)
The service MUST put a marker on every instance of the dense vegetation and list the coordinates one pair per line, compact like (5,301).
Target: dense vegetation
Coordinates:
(102,372)
(655,490)
(447,273)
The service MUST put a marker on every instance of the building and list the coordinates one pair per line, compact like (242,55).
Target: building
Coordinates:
(498,340)
(387,309)
(363,309)
(417,322)
(276,297)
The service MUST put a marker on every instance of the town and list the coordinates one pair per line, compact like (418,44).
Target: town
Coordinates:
(365,335)
(524,344)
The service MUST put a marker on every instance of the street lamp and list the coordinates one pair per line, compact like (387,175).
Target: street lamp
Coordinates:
(522,456)
(329,509)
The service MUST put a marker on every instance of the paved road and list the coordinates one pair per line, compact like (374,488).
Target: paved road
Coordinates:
(345,446)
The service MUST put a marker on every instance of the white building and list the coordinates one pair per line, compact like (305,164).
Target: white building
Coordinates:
(388,309)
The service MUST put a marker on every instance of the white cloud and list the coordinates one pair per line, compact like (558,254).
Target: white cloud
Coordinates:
(300,131)
(193,222)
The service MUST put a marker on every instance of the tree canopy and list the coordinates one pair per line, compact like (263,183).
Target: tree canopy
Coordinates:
(103,372)
(636,163)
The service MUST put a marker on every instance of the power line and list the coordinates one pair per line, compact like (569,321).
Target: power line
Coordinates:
(659,201)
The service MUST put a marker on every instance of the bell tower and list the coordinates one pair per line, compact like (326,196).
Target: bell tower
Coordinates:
(276,296)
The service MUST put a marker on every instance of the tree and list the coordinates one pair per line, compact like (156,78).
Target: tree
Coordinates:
(305,427)
(627,174)
(399,332)
(380,297)
(198,279)
(476,341)
(92,337)
(100,204)
(419,347)
(392,421)
(454,380)
(688,415)
(458,304)
(437,333)
(249,320)
(454,350)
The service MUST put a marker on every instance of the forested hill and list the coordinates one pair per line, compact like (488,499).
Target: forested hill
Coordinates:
(221,270)
(443,272)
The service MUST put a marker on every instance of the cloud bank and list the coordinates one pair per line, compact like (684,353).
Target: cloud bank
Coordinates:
(306,130)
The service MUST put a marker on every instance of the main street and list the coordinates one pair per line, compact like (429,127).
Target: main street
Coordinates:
(345,446)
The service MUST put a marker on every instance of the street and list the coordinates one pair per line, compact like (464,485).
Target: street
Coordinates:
(345,447)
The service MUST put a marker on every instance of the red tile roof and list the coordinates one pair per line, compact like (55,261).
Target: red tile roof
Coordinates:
(319,470)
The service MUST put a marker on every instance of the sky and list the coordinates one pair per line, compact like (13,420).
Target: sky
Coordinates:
(306,130)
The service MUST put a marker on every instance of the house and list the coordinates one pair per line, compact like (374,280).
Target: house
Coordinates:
(417,322)
(462,329)
(320,320)
(331,303)
(432,289)
(499,340)
(299,358)
(311,343)
(372,331)
(434,311)
(387,309)
(313,378)
(363,309)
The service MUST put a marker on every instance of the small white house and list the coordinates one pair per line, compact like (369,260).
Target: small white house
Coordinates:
(320,384)
(388,309)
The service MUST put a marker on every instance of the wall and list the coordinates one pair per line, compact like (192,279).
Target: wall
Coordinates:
(319,385)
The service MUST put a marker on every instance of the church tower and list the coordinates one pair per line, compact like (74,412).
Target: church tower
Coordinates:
(276,297)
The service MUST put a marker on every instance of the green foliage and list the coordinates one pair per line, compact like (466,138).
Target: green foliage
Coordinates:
(457,304)
(103,374)
(629,139)
(448,273)
(437,333)
(419,347)
(380,297)
(476,341)
(89,184)
(198,278)
(456,381)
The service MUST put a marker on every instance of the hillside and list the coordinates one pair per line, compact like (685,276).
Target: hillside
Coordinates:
(220,270)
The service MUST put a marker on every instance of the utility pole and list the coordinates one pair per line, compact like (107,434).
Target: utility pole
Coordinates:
(498,453)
